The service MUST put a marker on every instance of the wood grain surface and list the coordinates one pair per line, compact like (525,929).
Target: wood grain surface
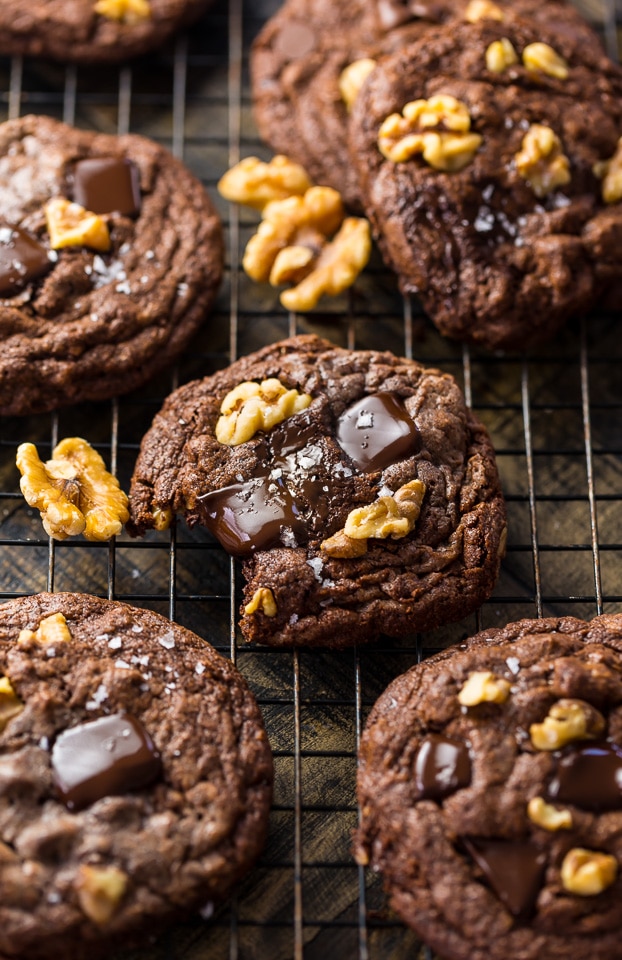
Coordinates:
(555,417)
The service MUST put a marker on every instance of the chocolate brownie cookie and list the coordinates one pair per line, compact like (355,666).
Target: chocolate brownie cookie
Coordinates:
(490,784)
(135,776)
(91,31)
(486,156)
(110,256)
(358,489)
(298,60)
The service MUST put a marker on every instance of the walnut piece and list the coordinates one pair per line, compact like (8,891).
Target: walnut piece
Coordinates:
(543,58)
(500,55)
(482,686)
(73,491)
(70,225)
(610,172)
(567,721)
(335,269)
(588,872)
(548,817)
(541,161)
(162,518)
(438,129)
(127,11)
(393,517)
(263,599)
(352,79)
(250,407)
(10,704)
(483,10)
(100,891)
(292,245)
(51,630)
(255,183)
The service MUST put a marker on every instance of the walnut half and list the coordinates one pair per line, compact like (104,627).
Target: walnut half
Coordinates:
(567,721)
(251,406)
(439,129)
(73,491)
(391,517)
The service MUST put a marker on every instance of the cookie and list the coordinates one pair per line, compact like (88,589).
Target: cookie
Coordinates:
(298,59)
(490,784)
(503,225)
(135,776)
(92,31)
(357,488)
(110,257)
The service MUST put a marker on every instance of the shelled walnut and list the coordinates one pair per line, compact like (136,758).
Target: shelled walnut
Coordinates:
(439,129)
(393,516)
(73,491)
(304,238)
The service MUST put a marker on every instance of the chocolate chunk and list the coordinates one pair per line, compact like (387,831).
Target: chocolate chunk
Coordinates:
(514,870)
(111,755)
(589,777)
(442,767)
(376,431)
(106,185)
(251,516)
(22,259)
(294,487)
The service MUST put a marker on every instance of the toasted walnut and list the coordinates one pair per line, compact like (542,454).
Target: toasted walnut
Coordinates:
(51,630)
(10,704)
(610,172)
(297,221)
(588,872)
(255,183)
(127,11)
(500,55)
(100,891)
(567,720)
(263,599)
(482,686)
(483,10)
(73,491)
(542,57)
(70,225)
(352,79)
(548,817)
(437,128)
(162,518)
(541,161)
(387,517)
(250,407)
(336,268)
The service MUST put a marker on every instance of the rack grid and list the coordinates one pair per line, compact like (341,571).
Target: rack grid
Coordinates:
(555,417)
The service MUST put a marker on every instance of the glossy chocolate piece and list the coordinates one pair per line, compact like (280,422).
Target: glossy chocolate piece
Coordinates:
(589,777)
(442,766)
(107,185)
(251,516)
(377,431)
(104,757)
(22,259)
(514,870)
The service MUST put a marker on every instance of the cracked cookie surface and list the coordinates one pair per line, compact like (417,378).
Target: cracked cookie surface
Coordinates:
(92,31)
(135,776)
(506,248)
(386,456)
(489,783)
(80,322)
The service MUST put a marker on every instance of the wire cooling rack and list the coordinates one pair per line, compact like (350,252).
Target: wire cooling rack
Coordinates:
(555,417)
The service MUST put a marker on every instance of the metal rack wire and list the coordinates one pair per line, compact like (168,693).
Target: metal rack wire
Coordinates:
(555,417)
